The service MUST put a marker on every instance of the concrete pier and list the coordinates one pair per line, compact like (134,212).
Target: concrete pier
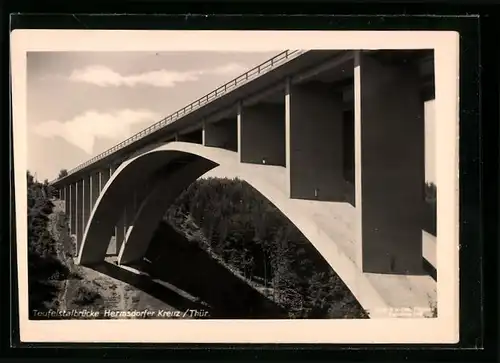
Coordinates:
(314,119)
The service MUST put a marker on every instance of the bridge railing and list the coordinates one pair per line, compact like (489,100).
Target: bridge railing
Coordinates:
(253,73)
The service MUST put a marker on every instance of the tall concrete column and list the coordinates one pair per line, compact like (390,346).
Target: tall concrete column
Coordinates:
(222,134)
(79,214)
(112,169)
(94,188)
(262,134)
(104,176)
(389,143)
(72,211)
(119,232)
(314,121)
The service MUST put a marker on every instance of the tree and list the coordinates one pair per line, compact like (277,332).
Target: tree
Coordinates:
(62,173)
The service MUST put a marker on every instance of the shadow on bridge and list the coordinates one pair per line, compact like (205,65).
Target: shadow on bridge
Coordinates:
(183,276)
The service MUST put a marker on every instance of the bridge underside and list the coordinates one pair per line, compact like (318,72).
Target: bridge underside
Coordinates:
(340,151)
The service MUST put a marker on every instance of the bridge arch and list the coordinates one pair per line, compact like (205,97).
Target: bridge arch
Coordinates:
(197,160)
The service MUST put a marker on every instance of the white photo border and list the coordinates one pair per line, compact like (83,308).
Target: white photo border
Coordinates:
(443,329)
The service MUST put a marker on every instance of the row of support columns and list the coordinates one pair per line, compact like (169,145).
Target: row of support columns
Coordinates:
(305,133)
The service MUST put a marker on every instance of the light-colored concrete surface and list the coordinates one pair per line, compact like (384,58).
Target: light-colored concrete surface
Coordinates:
(377,293)
(112,251)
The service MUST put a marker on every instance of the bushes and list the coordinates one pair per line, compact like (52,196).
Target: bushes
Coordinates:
(252,236)
(430,223)
(85,296)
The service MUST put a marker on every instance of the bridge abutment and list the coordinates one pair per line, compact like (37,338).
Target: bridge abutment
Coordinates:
(389,142)
(314,119)
(261,134)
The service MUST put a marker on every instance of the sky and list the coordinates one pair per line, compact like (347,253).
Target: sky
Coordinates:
(82,103)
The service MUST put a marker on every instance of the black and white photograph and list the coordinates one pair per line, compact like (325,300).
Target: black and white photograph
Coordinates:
(236,186)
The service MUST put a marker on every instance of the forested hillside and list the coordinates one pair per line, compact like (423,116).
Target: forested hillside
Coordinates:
(251,236)
(235,225)
(431,213)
